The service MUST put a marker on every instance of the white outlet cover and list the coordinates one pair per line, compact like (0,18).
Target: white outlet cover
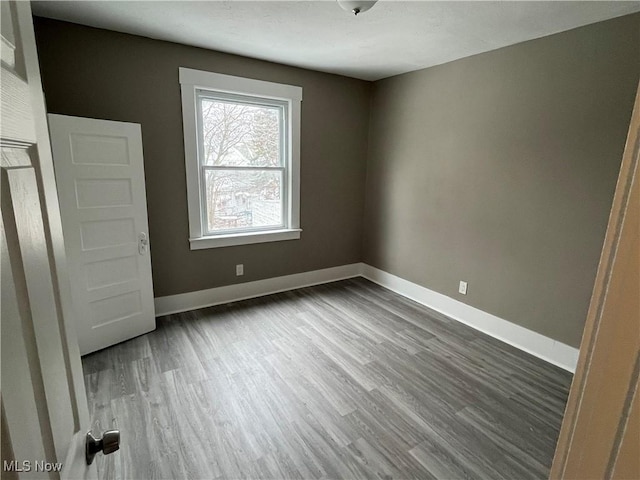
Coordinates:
(463,288)
(239,269)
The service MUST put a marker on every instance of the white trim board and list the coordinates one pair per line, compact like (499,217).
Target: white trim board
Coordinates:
(184,302)
(552,351)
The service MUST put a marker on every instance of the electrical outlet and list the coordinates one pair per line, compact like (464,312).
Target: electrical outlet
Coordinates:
(463,287)
(239,270)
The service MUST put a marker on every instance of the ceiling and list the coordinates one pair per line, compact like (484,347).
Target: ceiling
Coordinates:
(393,37)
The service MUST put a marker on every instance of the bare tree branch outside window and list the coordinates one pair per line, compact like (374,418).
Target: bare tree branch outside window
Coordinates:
(241,153)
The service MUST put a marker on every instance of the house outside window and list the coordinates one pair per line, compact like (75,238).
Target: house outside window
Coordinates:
(242,149)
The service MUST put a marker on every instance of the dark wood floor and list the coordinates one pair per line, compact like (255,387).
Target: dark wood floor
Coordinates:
(346,380)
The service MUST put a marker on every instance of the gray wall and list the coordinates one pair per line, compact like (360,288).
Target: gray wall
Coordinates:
(96,73)
(499,169)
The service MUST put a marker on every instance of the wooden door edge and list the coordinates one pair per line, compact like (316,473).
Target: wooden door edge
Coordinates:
(620,200)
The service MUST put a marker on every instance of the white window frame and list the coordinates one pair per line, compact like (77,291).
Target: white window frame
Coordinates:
(192,81)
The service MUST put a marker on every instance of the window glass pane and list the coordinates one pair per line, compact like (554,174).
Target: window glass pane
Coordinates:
(240,134)
(238,200)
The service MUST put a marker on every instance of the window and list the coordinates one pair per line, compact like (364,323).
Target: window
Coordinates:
(242,149)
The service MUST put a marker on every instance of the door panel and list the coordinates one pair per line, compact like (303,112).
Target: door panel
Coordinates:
(32,264)
(627,463)
(100,175)
(18,350)
(44,409)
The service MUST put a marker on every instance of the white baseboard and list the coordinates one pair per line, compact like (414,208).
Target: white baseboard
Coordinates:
(215,296)
(552,351)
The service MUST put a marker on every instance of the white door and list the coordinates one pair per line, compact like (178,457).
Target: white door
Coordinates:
(100,175)
(43,404)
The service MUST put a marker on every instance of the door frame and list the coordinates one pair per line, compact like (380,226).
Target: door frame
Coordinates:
(604,333)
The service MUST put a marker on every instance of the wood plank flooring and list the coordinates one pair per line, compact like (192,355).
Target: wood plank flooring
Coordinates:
(346,380)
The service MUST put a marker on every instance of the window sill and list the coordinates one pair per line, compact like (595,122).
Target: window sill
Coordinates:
(244,238)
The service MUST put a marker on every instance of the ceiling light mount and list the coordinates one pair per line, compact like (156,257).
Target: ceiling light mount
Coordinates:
(356,6)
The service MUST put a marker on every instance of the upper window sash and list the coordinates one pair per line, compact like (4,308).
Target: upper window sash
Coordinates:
(234,99)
